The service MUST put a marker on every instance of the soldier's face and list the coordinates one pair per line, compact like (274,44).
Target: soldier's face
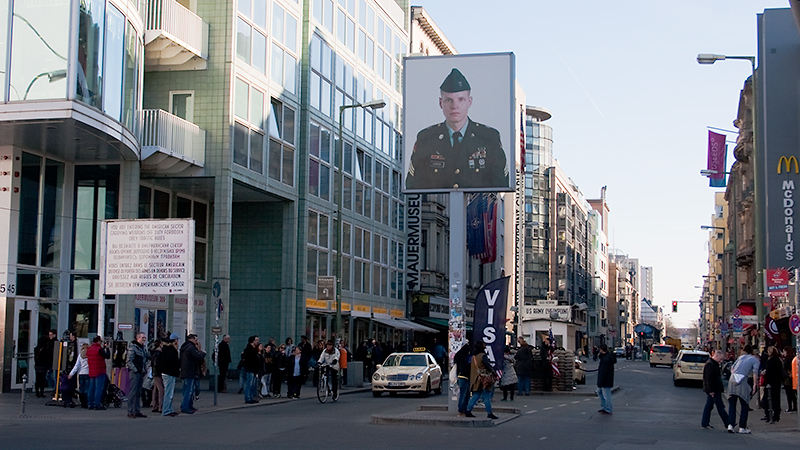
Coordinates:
(455,107)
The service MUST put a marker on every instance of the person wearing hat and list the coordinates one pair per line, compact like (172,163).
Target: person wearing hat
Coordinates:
(457,153)
(169,364)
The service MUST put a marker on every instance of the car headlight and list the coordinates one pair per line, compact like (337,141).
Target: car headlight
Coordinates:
(376,376)
(419,376)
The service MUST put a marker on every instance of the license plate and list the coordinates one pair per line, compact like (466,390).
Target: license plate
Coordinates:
(396,384)
(694,367)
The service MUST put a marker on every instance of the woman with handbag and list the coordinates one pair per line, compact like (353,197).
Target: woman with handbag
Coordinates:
(482,380)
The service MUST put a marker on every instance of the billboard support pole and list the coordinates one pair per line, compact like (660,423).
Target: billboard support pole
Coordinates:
(101,302)
(190,280)
(458,265)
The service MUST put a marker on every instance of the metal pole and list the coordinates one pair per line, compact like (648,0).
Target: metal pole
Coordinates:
(24,390)
(457,326)
(339,192)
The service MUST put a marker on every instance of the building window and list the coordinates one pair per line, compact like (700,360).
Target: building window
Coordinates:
(248,128)
(319,176)
(321,75)
(251,34)
(281,143)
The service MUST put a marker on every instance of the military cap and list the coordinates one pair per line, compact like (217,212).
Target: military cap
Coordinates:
(455,82)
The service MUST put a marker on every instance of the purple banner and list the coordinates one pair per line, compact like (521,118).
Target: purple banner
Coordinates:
(717,154)
(490,319)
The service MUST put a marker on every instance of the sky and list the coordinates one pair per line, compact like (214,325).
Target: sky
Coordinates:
(631,109)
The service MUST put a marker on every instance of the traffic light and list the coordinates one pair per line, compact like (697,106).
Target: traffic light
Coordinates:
(674,307)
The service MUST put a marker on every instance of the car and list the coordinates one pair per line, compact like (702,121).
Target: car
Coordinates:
(407,372)
(619,351)
(688,366)
(662,354)
(579,374)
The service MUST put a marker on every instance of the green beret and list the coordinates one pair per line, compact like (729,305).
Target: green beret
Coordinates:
(455,82)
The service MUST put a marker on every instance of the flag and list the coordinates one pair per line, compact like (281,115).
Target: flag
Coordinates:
(490,225)
(717,154)
(489,321)
(476,231)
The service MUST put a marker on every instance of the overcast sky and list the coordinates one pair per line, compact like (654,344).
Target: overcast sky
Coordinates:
(631,108)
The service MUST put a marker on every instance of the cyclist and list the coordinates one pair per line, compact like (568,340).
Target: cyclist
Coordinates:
(330,358)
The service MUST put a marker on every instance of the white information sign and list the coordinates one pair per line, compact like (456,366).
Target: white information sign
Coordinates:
(149,256)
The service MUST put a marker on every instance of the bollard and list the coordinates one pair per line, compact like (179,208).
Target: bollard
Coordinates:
(24,388)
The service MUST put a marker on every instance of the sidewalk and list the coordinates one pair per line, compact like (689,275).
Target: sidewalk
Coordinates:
(36,408)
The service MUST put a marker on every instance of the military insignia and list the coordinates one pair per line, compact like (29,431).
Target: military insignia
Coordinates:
(471,163)
(441,136)
(482,162)
(437,162)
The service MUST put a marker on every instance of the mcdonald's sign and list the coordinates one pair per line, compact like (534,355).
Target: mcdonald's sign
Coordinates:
(787,162)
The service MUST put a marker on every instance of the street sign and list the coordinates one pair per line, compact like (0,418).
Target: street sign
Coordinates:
(216,330)
(326,288)
(736,312)
(737,327)
(125,326)
(724,327)
(794,324)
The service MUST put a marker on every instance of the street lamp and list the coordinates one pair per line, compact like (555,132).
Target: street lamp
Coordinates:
(375,104)
(710,58)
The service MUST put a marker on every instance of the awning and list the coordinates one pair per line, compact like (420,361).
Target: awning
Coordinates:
(441,324)
(402,324)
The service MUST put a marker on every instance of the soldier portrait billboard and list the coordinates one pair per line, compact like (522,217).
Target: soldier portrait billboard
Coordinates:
(458,123)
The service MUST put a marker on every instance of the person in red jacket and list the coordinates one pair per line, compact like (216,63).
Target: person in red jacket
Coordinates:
(96,355)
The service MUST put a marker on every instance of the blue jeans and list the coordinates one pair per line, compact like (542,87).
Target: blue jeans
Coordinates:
(524,383)
(97,386)
(249,386)
(486,395)
(463,394)
(187,406)
(605,399)
(169,391)
(732,400)
(710,403)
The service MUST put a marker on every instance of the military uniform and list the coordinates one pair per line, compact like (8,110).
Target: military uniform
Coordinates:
(480,162)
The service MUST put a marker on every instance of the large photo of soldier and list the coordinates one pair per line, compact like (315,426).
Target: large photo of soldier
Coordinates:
(458,123)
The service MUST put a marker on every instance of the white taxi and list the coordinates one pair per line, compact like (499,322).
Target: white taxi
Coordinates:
(689,365)
(407,372)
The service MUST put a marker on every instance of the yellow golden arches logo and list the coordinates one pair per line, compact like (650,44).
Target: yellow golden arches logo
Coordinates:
(787,162)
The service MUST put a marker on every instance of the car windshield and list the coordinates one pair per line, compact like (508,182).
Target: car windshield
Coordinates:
(694,358)
(405,360)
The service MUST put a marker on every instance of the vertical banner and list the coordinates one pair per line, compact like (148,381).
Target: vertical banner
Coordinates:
(777,283)
(717,154)
(490,318)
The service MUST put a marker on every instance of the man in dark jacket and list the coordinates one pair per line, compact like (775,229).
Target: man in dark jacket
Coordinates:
(224,360)
(462,360)
(43,362)
(136,362)
(191,357)
(523,366)
(169,364)
(251,365)
(605,379)
(712,386)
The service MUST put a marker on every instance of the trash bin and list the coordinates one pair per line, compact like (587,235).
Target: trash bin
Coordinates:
(355,374)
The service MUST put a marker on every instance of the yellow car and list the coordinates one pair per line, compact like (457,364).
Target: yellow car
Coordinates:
(407,372)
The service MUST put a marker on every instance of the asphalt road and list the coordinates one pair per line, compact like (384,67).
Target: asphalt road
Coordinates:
(649,412)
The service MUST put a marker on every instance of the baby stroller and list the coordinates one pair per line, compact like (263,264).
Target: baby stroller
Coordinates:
(113,395)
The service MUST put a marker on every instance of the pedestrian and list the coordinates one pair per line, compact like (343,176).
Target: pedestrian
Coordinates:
(788,355)
(712,386)
(330,357)
(306,349)
(740,390)
(508,382)
(136,362)
(462,361)
(278,368)
(439,354)
(595,352)
(296,372)
(158,379)
(191,357)
(343,355)
(289,347)
(605,379)
(524,366)
(169,364)
(267,370)
(81,368)
(43,362)
(481,368)
(773,378)
(96,355)
(251,366)
(223,361)
(545,356)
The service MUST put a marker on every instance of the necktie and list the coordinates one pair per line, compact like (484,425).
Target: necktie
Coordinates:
(457,140)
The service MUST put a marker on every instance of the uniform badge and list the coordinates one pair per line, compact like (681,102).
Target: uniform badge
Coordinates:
(437,162)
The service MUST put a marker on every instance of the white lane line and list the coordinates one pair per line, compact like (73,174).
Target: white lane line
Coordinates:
(575,402)
(562,405)
(531,412)
(548,408)
(543,438)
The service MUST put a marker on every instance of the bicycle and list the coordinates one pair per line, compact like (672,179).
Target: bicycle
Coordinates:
(324,385)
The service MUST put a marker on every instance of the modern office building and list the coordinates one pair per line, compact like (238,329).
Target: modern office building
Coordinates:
(220,111)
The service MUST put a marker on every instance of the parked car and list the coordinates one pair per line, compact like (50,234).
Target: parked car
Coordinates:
(689,366)
(662,354)
(620,352)
(407,372)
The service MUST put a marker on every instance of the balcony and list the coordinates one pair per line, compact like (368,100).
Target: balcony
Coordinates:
(171,145)
(175,38)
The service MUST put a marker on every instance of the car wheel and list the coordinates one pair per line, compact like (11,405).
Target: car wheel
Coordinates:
(438,390)
(376,393)
(652,365)
(427,390)
(676,382)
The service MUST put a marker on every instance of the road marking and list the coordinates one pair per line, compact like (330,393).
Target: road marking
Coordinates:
(549,407)
(576,401)
(543,438)
(531,412)
(562,405)
(586,399)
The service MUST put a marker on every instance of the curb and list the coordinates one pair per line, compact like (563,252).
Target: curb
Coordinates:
(280,401)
